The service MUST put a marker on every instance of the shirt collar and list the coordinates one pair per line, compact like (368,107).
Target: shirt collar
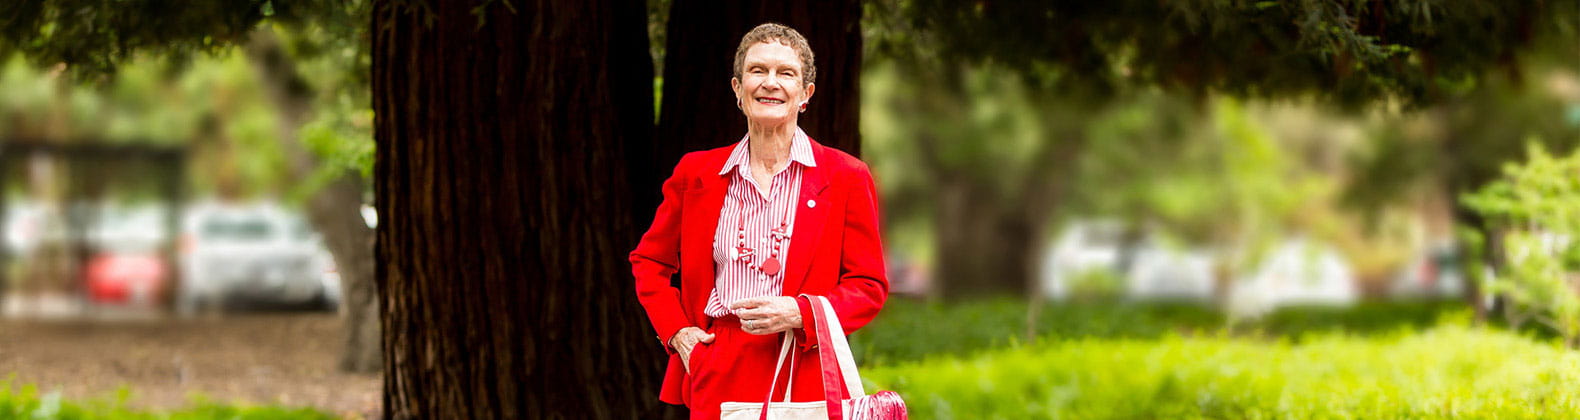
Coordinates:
(800,152)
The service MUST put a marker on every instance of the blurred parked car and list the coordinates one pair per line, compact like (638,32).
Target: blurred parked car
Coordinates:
(1435,273)
(1299,272)
(1161,272)
(1154,270)
(134,279)
(127,265)
(1083,246)
(253,256)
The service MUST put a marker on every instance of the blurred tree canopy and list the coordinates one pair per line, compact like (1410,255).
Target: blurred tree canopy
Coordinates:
(94,37)
(214,107)
(1351,51)
(1067,80)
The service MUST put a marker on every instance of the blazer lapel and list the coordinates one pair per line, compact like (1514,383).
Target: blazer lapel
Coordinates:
(698,225)
(811,214)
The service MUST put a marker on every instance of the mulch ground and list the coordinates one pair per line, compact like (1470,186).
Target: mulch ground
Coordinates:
(271,359)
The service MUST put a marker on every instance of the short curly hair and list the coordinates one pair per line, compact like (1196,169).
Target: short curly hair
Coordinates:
(769,32)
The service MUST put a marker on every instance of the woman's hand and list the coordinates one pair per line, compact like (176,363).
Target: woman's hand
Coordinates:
(686,340)
(767,315)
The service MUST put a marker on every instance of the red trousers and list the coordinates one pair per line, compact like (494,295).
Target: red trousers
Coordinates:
(738,366)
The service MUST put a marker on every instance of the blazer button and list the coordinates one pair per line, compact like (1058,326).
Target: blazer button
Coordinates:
(811,203)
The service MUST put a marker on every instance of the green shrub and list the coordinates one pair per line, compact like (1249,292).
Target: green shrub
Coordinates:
(1096,284)
(1364,317)
(26,403)
(1536,207)
(910,330)
(1445,372)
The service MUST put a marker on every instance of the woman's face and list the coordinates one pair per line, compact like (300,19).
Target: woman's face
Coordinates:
(769,89)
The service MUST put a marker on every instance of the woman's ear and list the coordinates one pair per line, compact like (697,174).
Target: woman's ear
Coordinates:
(807,96)
(735,88)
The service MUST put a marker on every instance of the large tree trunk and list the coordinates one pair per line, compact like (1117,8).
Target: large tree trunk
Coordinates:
(985,246)
(990,239)
(698,110)
(504,213)
(335,211)
(351,242)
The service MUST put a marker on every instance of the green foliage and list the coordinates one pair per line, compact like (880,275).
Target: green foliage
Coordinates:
(929,132)
(101,42)
(908,330)
(214,105)
(1371,317)
(1460,145)
(1096,284)
(1450,371)
(27,404)
(1351,51)
(335,61)
(982,125)
(1226,177)
(1539,203)
(94,38)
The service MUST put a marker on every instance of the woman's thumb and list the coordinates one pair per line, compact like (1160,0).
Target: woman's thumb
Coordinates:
(707,338)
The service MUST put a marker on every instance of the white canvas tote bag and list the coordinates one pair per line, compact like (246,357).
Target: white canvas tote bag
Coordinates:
(834,353)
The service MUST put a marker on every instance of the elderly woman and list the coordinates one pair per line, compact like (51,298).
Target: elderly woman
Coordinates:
(749,227)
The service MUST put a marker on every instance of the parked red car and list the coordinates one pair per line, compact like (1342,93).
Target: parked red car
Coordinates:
(125,278)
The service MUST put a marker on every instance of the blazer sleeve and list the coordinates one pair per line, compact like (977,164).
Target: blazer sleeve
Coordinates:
(863,283)
(657,257)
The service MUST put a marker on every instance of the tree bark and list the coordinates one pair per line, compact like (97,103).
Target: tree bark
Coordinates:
(504,209)
(335,211)
(984,244)
(990,241)
(698,110)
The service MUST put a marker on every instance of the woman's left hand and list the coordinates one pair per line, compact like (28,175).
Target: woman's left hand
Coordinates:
(767,315)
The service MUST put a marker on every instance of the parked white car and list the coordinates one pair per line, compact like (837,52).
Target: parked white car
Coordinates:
(257,255)
(1161,272)
(1082,246)
(1155,272)
(1298,271)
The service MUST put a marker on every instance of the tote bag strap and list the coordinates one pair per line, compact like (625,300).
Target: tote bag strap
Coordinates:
(834,353)
(846,361)
(784,352)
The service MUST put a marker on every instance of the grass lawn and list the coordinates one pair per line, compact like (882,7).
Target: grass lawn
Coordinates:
(1115,361)
(1444,372)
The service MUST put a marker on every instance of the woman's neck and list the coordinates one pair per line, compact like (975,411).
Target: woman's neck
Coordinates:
(770,146)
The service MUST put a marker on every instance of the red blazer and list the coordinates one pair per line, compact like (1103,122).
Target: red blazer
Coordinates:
(835,247)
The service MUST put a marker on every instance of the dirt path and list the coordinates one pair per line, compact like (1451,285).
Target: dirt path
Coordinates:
(284,359)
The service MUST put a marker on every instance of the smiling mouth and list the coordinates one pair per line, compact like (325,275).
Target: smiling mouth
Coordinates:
(770,101)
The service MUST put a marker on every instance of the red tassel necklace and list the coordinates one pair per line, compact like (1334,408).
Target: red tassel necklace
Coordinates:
(778,236)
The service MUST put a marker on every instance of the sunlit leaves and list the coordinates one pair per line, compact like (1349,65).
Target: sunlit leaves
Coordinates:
(1538,203)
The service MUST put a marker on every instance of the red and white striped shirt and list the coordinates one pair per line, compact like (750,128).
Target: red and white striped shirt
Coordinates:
(743,202)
